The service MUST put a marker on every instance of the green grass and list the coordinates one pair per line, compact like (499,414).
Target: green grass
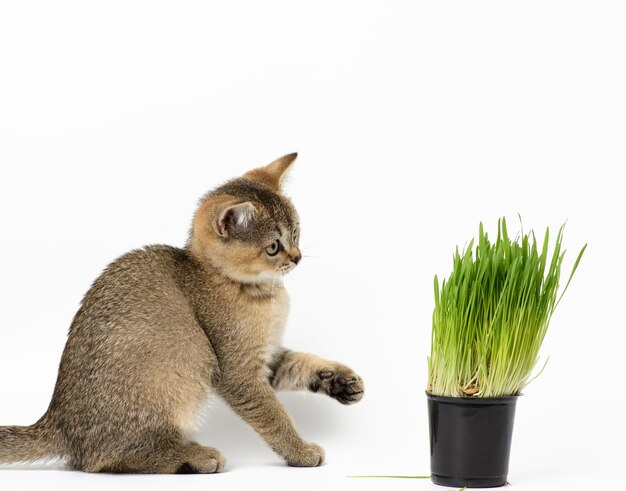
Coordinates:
(491,315)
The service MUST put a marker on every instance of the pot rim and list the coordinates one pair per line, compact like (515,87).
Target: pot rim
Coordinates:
(474,400)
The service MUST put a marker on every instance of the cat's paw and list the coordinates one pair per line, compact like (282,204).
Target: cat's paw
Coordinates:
(202,460)
(340,383)
(310,455)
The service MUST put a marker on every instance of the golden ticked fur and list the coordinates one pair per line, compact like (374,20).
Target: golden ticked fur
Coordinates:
(163,328)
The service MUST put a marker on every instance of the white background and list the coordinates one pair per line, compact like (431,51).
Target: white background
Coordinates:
(414,121)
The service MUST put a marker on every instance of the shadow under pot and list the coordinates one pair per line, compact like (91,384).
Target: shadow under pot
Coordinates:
(470,440)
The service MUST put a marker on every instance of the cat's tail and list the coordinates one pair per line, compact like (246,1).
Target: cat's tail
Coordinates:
(28,443)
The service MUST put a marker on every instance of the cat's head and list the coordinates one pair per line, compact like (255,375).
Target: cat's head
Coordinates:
(247,228)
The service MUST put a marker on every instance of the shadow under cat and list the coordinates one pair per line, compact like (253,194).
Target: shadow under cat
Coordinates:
(315,417)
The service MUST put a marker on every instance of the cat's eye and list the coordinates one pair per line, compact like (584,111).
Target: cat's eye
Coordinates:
(294,236)
(273,248)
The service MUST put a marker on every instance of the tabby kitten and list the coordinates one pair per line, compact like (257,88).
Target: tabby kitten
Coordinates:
(162,328)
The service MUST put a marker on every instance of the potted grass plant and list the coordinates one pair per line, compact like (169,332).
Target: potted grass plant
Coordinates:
(490,318)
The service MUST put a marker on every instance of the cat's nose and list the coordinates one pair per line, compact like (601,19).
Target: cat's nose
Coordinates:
(296,258)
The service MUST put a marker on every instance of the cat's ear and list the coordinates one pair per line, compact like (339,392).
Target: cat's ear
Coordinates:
(273,174)
(233,218)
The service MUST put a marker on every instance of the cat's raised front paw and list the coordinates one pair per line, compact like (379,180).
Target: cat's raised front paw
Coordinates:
(340,383)
(310,455)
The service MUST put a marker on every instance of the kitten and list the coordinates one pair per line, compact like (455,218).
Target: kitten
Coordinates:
(162,328)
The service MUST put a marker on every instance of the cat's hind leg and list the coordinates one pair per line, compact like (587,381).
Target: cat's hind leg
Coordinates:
(201,460)
(173,457)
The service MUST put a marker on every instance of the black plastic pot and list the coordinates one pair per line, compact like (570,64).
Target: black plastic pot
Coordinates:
(470,440)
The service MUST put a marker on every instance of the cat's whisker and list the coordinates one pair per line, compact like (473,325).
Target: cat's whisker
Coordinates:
(311,245)
(276,273)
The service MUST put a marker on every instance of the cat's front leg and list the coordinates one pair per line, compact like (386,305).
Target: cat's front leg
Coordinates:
(256,403)
(290,370)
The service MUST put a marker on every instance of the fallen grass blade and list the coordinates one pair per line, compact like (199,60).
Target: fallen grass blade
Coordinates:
(389,477)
